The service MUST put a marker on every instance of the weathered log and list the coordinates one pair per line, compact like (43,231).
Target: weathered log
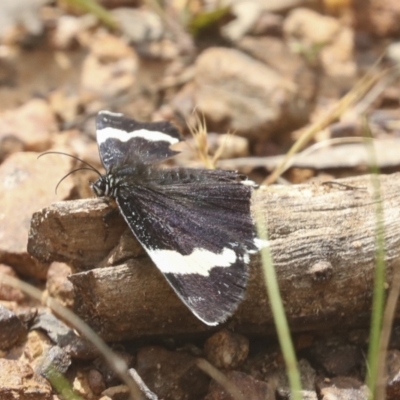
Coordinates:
(323,241)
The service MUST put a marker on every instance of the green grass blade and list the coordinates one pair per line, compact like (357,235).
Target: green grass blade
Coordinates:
(378,300)
(96,9)
(61,384)
(278,311)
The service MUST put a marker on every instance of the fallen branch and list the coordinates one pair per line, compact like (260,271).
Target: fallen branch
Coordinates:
(323,244)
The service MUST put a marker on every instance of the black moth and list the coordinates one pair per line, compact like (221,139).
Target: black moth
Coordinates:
(195,224)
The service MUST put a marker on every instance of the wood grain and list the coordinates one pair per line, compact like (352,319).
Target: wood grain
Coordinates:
(323,244)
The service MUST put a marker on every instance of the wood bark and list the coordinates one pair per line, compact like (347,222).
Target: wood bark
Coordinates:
(323,242)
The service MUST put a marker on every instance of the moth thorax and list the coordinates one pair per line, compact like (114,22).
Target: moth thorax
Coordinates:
(106,185)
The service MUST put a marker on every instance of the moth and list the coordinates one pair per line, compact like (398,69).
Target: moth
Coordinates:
(195,224)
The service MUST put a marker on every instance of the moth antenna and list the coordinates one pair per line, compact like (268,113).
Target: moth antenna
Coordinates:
(75,158)
(71,172)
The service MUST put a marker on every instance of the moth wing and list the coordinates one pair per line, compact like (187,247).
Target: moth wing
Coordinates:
(199,235)
(124,140)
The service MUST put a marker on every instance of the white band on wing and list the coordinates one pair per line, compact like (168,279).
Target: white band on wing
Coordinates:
(123,136)
(200,261)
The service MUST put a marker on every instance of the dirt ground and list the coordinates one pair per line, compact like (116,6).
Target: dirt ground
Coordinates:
(257,76)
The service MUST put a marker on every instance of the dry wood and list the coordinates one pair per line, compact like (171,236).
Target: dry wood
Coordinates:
(331,157)
(323,244)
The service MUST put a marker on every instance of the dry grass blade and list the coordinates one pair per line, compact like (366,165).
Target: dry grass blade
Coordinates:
(199,132)
(220,149)
(148,393)
(200,136)
(116,363)
(358,91)
(220,378)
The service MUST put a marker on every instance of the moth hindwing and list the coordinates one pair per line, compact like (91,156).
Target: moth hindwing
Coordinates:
(195,224)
